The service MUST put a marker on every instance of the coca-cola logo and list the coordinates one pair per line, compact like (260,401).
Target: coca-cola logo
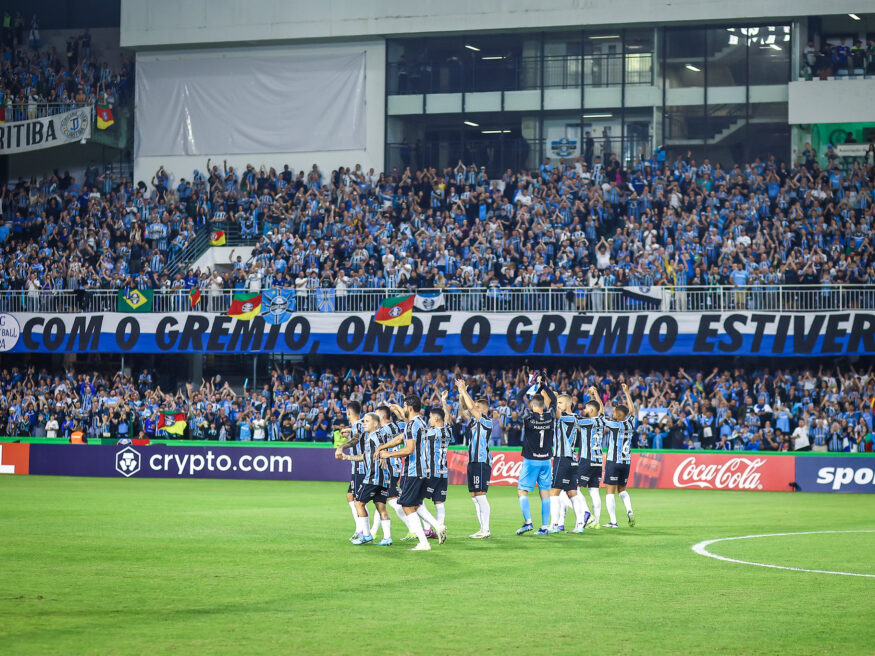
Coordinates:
(737,473)
(505,471)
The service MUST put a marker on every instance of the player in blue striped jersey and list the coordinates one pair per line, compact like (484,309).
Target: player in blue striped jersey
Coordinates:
(440,435)
(416,473)
(479,458)
(618,457)
(590,428)
(373,483)
(565,467)
(390,431)
(353,435)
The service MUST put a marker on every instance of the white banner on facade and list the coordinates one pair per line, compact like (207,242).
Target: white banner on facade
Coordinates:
(236,104)
(47,132)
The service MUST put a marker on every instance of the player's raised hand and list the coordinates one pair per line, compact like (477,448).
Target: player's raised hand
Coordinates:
(444,395)
(625,387)
(592,391)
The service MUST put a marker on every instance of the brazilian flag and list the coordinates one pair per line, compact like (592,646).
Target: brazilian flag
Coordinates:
(135,300)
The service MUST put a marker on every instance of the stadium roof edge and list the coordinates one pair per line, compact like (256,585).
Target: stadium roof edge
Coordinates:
(194,23)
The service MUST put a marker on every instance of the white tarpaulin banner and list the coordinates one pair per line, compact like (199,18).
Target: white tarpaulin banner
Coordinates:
(45,132)
(235,104)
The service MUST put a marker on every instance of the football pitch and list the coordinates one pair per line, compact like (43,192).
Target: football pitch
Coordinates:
(118,566)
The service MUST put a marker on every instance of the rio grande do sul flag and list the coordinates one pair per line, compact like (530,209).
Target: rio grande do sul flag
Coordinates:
(104,117)
(245,306)
(396,311)
(171,422)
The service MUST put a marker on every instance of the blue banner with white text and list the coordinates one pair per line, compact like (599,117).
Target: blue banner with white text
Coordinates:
(457,334)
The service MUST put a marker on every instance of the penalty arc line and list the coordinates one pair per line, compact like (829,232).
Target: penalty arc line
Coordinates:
(701,548)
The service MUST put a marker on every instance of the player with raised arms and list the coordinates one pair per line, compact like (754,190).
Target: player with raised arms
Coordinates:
(589,425)
(373,483)
(539,424)
(479,458)
(440,435)
(620,429)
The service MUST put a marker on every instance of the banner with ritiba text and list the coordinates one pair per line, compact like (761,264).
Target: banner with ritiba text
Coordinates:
(57,130)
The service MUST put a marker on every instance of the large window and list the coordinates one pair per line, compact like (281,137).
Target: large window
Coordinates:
(709,75)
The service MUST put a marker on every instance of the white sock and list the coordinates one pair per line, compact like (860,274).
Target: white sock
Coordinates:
(423,512)
(477,508)
(355,513)
(386,525)
(626,501)
(416,528)
(440,512)
(582,500)
(555,509)
(564,505)
(596,504)
(579,506)
(393,503)
(484,512)
(364,526)
(611,503)
(375,525)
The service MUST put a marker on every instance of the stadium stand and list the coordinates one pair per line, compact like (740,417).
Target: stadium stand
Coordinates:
(39,81)
(738,408)
(682,223)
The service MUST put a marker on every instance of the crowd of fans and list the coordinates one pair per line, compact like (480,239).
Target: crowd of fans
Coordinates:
(566,224)
(36,81)
(736,409)
(847,57)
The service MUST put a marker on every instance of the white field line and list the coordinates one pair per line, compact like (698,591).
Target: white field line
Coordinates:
(702,549)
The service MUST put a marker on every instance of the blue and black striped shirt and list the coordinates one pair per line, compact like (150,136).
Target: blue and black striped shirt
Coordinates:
(590,429)
(478,448)
(619,440)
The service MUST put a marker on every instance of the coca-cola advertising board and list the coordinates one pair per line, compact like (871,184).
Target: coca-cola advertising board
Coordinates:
(713,471)
(695,471)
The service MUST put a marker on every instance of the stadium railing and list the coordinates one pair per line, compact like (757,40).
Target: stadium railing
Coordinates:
(19,111)
(493,299)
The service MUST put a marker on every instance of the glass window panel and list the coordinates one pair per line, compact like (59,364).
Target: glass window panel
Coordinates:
(769,54)
(685,58)
(685,123)
(727,57)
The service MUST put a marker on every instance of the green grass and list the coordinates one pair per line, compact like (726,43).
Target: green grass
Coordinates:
(112,566)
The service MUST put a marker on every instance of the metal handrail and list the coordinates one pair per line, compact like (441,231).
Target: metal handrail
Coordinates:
(593,300)
(16,112)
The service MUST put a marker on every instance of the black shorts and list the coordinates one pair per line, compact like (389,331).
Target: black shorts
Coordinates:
(392,491)
(412,491)
(616,474)
(436,489)
(564,474)
(355,482)
(590,475)
(478,476)
(367,492)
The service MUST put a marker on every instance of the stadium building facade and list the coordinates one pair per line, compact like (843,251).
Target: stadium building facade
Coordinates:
(505,84)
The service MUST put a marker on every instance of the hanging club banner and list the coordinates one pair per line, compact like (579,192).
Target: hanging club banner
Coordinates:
(37,133)
(459,333)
